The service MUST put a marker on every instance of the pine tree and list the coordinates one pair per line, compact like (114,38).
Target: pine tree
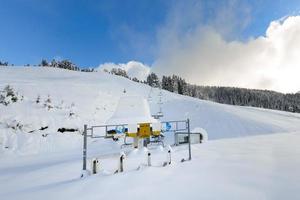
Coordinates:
(119,72)
(3,63)
(44,63)
(53,63)
(153,80)
(135,79)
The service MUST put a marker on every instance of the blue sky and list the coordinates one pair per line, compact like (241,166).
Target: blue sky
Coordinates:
(91,32)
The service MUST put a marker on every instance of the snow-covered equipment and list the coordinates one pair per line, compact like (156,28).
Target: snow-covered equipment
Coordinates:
(132,119)
(183,138)
(138,132)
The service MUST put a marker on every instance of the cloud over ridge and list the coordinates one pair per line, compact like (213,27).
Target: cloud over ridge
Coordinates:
(132,68)
(204,57)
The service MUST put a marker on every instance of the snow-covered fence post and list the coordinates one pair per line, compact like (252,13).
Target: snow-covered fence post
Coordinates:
(189,138)
(84,146)
(95,166)
(149,159)
(170,158)
(121,167)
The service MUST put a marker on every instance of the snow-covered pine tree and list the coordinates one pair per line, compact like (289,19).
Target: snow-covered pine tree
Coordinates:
(135,79)
(119,72)
(8,95)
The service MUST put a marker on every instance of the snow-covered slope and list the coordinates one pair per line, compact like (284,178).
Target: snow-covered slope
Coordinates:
(228,166)
(260,167)
(95,96)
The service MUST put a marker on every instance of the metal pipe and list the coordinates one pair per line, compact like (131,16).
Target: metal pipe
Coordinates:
(189,137)
(170,158)
(84,146)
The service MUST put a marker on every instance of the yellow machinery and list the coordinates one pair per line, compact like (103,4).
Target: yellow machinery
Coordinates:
(143,131)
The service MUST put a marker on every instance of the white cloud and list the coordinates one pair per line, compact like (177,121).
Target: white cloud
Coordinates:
(133,69)
(204,57)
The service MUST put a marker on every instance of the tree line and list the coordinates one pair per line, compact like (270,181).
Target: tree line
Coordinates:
(3,63)
(229,95)
(225,95)
(62,64)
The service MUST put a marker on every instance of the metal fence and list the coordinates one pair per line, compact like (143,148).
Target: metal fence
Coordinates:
(107,131)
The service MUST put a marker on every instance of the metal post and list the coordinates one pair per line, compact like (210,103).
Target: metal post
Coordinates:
(121,168)
(105,131)
(149,159)
(189,137)
(84,146)
(136,142)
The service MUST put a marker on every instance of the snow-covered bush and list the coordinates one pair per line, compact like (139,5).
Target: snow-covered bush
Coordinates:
(8,96)
(72,110)
(48,103)
(38,99)
(61,105)
(14,124)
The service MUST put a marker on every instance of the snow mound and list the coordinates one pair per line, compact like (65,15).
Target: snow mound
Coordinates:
(202,131)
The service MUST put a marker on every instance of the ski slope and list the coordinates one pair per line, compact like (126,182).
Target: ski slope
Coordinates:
(260,167)
(46,164)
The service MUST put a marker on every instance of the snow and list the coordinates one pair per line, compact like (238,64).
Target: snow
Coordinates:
(202,131)
(131,110)
(260,167)
(46,164)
